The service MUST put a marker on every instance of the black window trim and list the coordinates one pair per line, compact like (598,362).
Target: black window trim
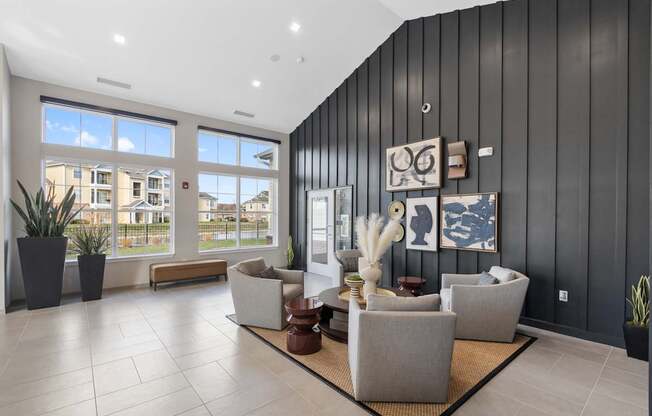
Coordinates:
(234,133)
(106,110)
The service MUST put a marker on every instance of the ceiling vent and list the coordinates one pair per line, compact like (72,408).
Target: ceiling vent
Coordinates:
(113,83)
(243,114)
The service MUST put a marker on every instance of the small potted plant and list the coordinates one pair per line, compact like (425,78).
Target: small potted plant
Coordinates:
(290,253)
(636,330)
(90,244)
(43,251)
(355,282)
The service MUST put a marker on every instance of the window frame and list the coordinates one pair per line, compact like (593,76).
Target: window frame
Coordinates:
(239,138)
(114,129)
(113,209)
(238,209)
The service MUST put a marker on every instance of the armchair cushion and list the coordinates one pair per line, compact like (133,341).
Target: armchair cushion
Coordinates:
(445,295)
(349,259)
(428,303)
(502,274)
(487,279)
(291,291)
(269,273)
(252,267)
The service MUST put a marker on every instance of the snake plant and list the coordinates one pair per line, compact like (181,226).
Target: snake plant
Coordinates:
(43,217)
(90,240)
(290,252)
(640,302)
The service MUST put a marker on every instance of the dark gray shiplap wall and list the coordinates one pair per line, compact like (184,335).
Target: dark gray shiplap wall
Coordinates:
(560,89)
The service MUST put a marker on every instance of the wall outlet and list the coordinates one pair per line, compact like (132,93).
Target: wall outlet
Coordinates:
(485,151)
(563,296)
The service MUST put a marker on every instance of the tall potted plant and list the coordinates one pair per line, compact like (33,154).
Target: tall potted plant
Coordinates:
(90,244)
(43,251)
(290,253)
(636,330)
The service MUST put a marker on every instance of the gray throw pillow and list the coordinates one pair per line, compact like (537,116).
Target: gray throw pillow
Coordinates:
(427,303)
(486,279)
(252,267)
(269,273)
(502,274)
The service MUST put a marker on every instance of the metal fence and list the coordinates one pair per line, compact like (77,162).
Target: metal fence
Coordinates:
(257,230)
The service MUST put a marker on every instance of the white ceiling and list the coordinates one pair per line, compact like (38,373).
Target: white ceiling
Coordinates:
(200,56)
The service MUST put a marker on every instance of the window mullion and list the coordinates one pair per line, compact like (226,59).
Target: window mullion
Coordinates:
(237,208)
(114,210)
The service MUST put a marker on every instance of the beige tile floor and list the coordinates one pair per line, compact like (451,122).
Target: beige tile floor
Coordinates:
(173,352)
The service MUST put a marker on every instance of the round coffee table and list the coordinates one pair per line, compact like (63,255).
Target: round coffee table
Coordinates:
(303,314)
(335,313)
(412,283)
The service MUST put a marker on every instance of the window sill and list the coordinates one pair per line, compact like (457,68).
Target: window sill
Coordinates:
(238,250)
(73,262)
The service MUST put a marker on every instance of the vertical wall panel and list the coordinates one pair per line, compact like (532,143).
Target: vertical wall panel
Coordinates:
(308,152)
(386,134)
(490,168)
(542,151)
(316,148)
(293,184)
(332,140)
(414,114)
(608,203)
(373,200)
(400,127)
(363,139)
(352,137)
(301,194)
(323,145)
(513,201)
(449,113)
(431,31)
(638,218)
(573,145)
(467,261)
(342,143)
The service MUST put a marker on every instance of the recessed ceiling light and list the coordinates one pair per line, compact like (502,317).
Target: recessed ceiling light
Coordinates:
(119,39)
(275,58)
(301,60)
(295,27)
(256,83)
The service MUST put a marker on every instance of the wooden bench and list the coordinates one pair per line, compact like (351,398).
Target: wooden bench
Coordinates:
(185,270)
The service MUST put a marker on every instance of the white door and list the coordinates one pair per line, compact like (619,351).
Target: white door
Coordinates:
(321,243)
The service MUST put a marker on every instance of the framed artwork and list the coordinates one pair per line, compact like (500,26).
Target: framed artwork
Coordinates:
(421,223)
(470,222)
(414,166)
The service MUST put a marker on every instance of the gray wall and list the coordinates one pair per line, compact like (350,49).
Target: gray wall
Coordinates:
(5,176)
(28,151)
(560,89)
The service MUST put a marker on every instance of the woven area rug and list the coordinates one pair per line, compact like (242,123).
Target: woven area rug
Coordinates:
(474,364)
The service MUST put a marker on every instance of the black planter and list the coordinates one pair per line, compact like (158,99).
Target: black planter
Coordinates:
(42,261)
(636,340)
(91,275)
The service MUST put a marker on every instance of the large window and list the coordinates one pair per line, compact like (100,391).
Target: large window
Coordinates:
(236,211)
(83,128)
(139,223)
(229,149)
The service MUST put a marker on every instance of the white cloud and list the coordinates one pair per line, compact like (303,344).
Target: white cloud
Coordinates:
(202,150)
(87,139)
(125,145)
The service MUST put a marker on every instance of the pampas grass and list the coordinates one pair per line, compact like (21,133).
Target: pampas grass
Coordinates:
(372,239)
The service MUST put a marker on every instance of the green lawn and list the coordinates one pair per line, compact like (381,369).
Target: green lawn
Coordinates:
(217,244)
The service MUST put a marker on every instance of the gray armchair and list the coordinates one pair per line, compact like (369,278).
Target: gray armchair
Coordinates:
(484,313)
(347,263)
(258,301)
(400,356)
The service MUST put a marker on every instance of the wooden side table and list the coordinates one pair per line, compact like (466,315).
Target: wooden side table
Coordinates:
(413,284)
(303,314)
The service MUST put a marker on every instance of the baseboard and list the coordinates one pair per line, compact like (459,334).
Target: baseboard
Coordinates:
(574,332)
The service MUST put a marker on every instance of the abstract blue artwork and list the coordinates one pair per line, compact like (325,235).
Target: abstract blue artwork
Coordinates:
(470,222)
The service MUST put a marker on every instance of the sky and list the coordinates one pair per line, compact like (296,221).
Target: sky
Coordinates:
(74,128)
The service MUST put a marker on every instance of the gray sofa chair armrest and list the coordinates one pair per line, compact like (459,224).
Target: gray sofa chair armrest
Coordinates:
(449,279)
(257,302)
(488,313)
(291,276)
(378,335)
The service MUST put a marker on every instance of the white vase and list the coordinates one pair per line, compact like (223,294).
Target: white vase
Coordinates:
(371,276)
